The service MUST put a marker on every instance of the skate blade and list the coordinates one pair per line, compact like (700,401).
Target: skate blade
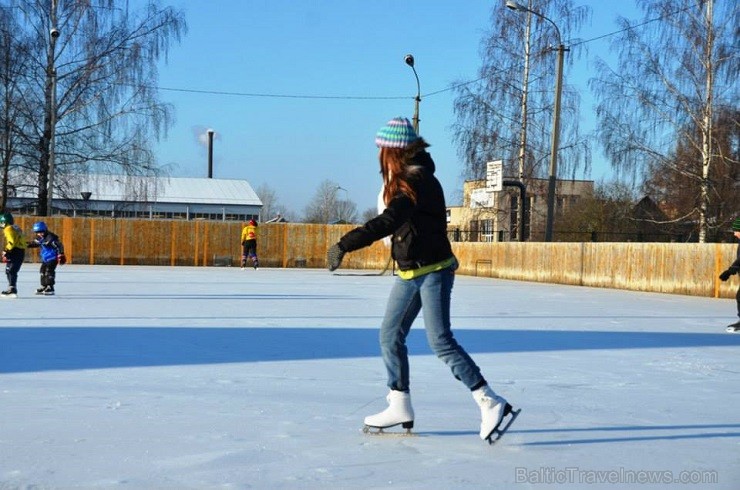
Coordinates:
(10,295)
(502,427)
(380,431)
(732,330)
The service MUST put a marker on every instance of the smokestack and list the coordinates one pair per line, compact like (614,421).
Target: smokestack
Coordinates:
(210,153)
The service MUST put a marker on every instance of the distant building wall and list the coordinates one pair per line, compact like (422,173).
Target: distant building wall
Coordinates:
(680,268)
(493,217)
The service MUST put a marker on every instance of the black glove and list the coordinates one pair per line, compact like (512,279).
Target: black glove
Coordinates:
(334,257)
(61,259)
(726,274)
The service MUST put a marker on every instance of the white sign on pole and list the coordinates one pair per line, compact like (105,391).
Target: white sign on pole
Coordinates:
(495,176)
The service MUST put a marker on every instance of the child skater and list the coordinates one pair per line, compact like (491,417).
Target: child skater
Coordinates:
(52,253)
(13,253)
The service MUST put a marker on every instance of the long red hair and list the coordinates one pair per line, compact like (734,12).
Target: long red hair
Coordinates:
(395,169)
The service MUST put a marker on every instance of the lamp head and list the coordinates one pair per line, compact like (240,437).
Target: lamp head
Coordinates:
(511,4)
(409,59)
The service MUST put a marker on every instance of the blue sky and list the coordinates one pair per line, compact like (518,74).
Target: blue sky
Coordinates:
(349,55)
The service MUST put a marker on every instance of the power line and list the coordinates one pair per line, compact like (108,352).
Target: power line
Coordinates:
(453,87)
(614,33)
(632,27)
(282,96)
(325,97)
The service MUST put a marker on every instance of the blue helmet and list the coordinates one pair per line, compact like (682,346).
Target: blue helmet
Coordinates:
(40,227)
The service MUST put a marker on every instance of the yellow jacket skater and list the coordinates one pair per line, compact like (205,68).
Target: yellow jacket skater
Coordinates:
(249,244)
(13,253)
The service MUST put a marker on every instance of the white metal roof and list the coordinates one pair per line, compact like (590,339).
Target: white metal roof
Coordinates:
(168,190)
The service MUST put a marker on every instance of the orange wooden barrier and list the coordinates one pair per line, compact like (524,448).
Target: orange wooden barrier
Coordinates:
(680,268)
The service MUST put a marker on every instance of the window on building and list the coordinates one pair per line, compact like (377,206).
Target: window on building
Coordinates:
(486,230)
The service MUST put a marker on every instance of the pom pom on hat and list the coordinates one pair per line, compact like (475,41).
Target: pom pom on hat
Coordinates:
(397,133)
(736,224)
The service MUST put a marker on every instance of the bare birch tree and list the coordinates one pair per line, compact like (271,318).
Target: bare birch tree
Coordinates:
(13,64)
(327,207)
(271,206)
(92,76)
(507,114)
(676,68)
(678,187)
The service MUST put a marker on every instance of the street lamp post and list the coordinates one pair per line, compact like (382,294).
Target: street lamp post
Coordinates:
(52,74)
(52,138)
(555,137)
(409,59)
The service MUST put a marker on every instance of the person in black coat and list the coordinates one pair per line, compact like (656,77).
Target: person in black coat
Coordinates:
(732,270)
(415,218)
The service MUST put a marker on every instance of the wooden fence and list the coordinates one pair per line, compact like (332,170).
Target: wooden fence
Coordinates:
(679,268)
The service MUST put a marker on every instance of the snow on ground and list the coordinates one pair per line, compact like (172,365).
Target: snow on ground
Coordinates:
(200,378)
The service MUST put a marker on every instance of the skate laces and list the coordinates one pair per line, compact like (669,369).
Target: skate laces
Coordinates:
(490,401)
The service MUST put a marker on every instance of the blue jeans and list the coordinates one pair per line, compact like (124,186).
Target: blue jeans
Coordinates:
(431,294)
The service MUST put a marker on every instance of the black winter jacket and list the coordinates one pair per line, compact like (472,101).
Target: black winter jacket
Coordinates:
(419,230)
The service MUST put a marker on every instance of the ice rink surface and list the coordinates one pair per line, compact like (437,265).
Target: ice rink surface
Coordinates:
(200,378)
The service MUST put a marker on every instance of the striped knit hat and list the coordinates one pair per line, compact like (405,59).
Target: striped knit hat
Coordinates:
(736,224)
(397,133)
